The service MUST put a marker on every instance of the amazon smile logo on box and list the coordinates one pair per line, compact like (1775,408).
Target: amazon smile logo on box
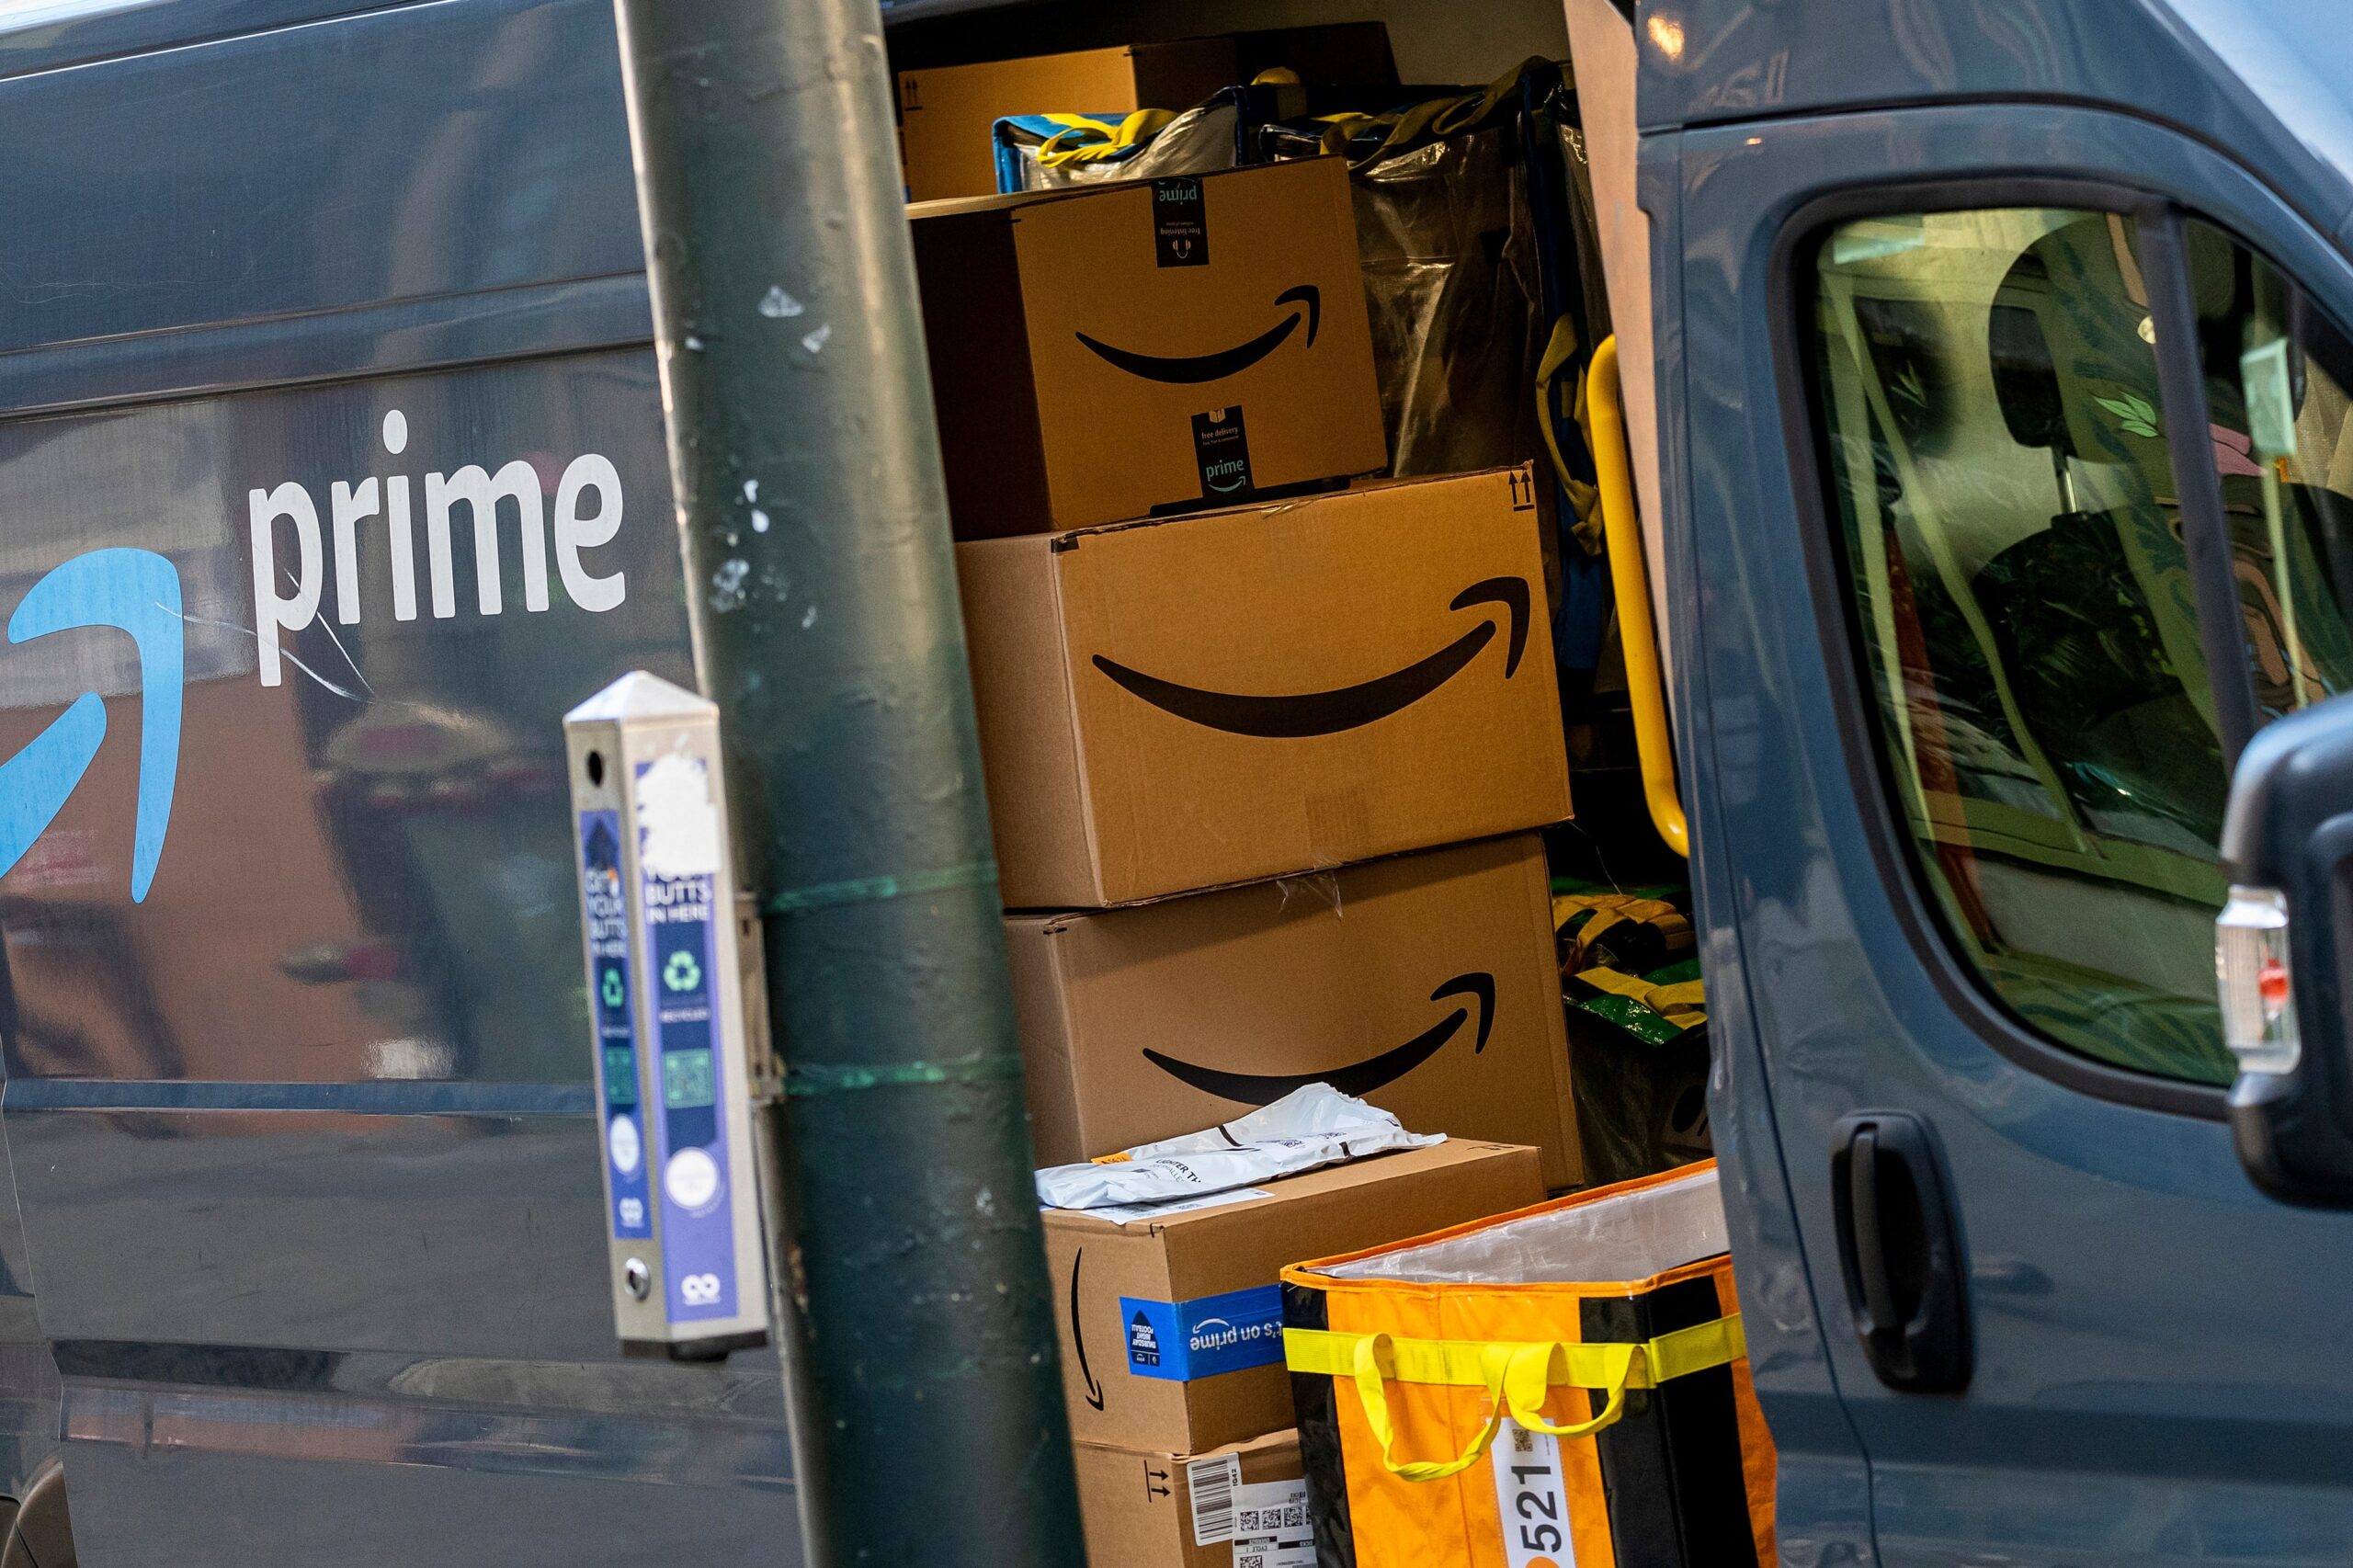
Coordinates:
(1191,369)
(1177,704)
(1358,1078)
(1092,348)
(1344,708)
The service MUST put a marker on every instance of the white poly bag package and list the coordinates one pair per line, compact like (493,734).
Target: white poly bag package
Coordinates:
(1314,1125)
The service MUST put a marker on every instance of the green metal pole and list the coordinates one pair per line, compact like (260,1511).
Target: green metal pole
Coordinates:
(818,567)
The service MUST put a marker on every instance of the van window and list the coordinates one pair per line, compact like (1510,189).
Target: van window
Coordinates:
(2275,371)
(1994,446)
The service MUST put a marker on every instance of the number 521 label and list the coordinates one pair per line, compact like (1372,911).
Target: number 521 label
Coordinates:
(1532,1498)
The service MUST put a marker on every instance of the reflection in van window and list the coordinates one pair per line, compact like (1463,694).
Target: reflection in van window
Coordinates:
(1995,450)
(2276,371)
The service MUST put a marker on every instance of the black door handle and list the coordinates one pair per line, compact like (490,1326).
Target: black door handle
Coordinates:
(1900,1251)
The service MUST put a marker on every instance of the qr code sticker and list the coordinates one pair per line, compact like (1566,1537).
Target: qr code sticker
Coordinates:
(1294,1517)
(1254,1559)
(1246,1521)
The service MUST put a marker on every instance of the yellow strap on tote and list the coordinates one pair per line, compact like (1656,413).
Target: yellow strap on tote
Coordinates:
(1494,1363)
(1516,1375)
(1083,141)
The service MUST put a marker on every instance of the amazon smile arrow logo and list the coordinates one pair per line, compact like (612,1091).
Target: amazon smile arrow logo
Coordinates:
(1358,1078)
(136,591)
(1225,362)
(1307,713)
(1078,1334)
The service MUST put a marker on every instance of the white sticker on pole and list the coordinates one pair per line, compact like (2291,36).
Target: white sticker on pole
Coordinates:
(678,860)
(1532,1497)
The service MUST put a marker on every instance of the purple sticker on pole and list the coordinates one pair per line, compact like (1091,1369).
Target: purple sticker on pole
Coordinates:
(614,1023)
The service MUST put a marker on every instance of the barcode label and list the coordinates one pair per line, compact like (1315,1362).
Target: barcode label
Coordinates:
(1212,1483)
(1271,1527)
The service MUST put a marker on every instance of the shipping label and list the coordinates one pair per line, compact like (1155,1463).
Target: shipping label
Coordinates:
(1271,1527)
(1211,1484)
(1222,453)
(1180,229)
(1532,1497)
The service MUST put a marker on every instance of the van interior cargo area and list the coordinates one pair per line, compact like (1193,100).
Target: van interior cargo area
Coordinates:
(1292,518)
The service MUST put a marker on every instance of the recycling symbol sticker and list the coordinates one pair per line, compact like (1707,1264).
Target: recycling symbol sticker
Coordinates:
(682,973)
(612,990)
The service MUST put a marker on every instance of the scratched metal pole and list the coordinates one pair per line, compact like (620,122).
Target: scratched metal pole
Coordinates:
(823,597)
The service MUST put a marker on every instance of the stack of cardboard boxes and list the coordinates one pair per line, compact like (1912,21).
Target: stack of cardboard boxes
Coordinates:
(947,113)
(1266,737)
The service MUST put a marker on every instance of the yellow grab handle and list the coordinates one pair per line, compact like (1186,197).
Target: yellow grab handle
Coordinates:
(1374,1392)
(1529,1376)
(1515,1377)
(1630,576)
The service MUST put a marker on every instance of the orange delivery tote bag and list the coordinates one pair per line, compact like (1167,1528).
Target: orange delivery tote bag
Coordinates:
(1561,1386)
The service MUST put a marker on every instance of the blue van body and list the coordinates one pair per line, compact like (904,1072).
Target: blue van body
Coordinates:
(2156,1372)
(305,1159)
(302,1262)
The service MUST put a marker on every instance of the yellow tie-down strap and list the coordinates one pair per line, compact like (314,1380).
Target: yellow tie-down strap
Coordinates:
(1083,140)
(1517,1377)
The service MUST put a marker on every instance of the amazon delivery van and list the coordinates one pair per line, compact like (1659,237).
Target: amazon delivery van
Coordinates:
(1998,393)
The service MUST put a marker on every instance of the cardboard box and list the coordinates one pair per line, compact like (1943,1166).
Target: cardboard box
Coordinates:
(947,113)
(1148,1509)
(1171,1328)
(1243,694)
(1425,984)
(1101,353)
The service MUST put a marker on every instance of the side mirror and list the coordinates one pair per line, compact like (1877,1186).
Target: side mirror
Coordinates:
(2283,950)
